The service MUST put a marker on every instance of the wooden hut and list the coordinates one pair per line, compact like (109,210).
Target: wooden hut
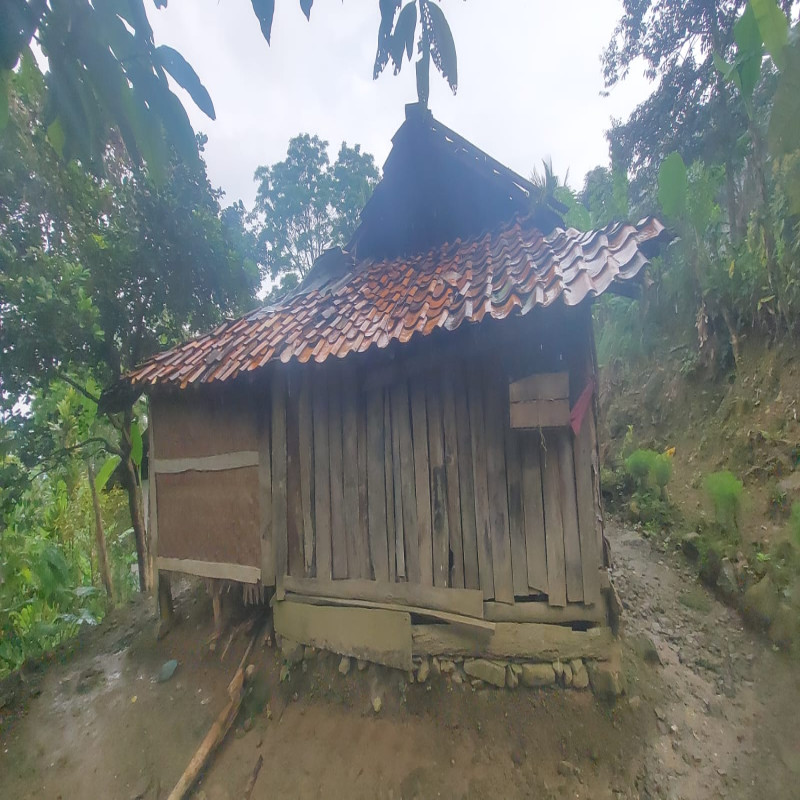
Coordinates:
(405,448)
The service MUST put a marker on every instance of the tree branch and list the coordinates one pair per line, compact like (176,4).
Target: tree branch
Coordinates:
(75,385)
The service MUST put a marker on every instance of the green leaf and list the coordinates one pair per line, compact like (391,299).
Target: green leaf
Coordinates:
(55,135)
(136,444)
(306,6)
(402,40)
(749,52)
(784,130)
(265,11)
(443,47)
(774,28)
(672,186)
(105,472)
(183,73)
(388,11)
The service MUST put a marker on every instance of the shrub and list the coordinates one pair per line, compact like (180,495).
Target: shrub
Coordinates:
(661,471)
(725,491)
(639,465)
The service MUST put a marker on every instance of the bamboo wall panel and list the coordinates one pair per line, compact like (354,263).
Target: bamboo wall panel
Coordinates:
(335,427)
(438,480)
(322,479)
(210,516)
(294,498)
(455,534)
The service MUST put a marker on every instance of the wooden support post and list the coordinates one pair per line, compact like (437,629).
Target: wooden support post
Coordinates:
(166,607)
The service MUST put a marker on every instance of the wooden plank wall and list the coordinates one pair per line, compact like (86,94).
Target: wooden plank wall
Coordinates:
(410,472)
(422,479)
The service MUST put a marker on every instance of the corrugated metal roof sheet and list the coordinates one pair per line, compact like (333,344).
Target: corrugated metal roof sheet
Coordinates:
(510,270)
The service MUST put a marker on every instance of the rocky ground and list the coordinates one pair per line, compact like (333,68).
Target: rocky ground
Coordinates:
(709,713)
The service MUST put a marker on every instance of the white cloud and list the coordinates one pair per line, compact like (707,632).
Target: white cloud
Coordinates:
(529,81)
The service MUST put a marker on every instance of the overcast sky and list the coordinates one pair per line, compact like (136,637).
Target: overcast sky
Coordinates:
(529,81)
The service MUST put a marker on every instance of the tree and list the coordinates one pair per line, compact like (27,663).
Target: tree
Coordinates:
(691,109)
(97,273)
(305,205)
(106,73)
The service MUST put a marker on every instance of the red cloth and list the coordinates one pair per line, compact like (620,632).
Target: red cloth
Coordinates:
(581,407)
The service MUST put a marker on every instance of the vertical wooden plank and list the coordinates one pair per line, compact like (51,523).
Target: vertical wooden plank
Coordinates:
(453,481)
(479,483)
(265,498)
(590,561)
(294,504)
(279,520)
(569,515)
(350,472)
(405,510)
(516,522)
(469,536)
(362,533)
(376,486)
(533,510)
(388,476)
(494,412)
(441,530)
(322,482)
(335,428)
(419,423)
(553,525)
(306,436)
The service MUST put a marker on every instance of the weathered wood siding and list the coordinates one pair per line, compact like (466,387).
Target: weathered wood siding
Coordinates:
(408,470)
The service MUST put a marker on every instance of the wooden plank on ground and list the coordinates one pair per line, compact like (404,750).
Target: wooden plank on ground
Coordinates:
(441,530)
(376,486)
(453,482)
(265,498)
(516,521)
(338,536)
(469,536)
(279,519)
(479,483)
(377,635)
(350,473)
(569,515)
(322,482)
(545,613)
(553,524)
(419,421)
(306,436)
(533,511)
(388,482)
(468,602)
(590,557)
(401,417)
(526,640)
(444,616)
(498,491)
(294,503)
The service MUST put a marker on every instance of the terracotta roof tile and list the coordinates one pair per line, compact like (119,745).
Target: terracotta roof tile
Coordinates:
(511,270)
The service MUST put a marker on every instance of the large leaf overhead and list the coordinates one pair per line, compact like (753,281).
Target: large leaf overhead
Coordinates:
(265,11)
(180,69)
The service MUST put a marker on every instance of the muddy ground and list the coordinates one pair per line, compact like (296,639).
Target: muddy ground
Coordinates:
(710,712)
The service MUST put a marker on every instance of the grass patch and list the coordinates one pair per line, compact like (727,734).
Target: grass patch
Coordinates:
(696,599)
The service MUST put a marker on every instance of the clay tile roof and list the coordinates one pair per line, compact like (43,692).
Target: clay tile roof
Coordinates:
(510,270)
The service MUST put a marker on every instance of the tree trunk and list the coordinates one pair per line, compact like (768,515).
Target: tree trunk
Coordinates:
(100,537)
(137,520)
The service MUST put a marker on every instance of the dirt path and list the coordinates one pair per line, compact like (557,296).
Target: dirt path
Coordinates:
(727,723)
(717,719)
